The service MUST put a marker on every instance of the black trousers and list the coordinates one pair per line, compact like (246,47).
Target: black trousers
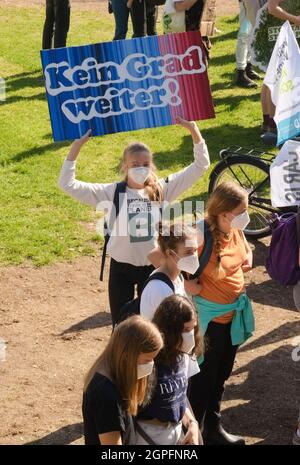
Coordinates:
(193,16)
(143,17)
(57,23)
(123,278)
(207,387)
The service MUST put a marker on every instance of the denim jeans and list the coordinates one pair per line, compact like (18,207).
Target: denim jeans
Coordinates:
(57,23)
(121,14)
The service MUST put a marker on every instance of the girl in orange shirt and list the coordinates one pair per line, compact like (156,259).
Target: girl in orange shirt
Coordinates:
(221,285)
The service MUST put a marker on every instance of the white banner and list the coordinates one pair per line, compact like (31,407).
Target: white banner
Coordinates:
(283,79)
(285,176)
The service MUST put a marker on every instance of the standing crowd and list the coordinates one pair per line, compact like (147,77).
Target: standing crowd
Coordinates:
(177,325)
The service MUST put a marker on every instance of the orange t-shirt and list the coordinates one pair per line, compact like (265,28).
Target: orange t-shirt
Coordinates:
(226,290)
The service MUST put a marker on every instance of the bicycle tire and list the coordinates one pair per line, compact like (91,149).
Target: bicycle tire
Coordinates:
(230,161)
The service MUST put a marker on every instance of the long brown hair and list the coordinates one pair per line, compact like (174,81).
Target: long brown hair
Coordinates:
(171,235)
(225,198)
(152,185)
(170,317)
(119,359)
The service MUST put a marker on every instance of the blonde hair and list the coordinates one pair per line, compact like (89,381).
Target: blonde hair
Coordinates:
(119,359)
(152,185)
(225,198)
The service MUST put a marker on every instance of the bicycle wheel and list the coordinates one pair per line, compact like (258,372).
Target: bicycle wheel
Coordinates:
(253,175)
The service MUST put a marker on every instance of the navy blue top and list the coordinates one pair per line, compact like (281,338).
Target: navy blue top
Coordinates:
(169,401)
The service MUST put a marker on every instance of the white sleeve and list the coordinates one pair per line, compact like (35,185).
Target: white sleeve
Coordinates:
(193,366)
(86,192)
(152,296)
(184,179)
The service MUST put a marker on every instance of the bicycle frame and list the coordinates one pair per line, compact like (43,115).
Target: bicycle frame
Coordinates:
(268,158)
(247,152)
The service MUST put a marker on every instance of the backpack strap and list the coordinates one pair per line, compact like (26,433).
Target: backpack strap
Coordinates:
(143,433)
(120,189)
(160,277)
(206,251)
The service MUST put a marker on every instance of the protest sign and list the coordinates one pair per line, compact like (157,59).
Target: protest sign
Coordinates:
(283,80)
(126,85)
(285,176)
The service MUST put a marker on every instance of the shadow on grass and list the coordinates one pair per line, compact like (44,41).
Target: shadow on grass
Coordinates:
(222,60)
(34,152)
(18,82)
(64,435)
(217,138)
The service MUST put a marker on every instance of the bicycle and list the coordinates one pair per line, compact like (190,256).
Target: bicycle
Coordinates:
(251,169)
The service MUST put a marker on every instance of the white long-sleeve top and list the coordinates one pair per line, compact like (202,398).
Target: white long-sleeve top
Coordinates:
(133,235)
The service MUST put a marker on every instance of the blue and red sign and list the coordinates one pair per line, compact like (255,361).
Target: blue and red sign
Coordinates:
(126,85)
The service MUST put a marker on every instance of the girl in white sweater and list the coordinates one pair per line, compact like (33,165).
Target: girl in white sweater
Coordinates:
(132,237)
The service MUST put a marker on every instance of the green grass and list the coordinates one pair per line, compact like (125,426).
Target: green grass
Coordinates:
(37,221)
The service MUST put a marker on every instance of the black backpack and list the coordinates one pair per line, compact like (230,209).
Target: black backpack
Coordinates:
(133,306)
(120,189)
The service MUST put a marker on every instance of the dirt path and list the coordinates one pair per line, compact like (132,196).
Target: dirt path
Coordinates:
(55,321)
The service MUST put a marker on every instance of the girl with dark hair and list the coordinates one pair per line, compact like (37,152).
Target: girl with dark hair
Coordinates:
(162,420)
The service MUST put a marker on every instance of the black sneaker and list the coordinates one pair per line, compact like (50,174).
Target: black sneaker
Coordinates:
(252,74)
(244,81)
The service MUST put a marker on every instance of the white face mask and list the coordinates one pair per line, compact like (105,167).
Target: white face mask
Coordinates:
(190,264)
(144,369)
(241,221)
(139,174)
(188,341)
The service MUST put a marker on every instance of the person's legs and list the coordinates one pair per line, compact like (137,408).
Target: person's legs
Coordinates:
(268,110)
(214,433)
(242,50)
(207,387)
(138,18)
(251,7)
(62,22)
(202,385)
(123,278)
(120,288)
(225,369)
(48,25)
(121,14)
(193,16)
(151,18)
